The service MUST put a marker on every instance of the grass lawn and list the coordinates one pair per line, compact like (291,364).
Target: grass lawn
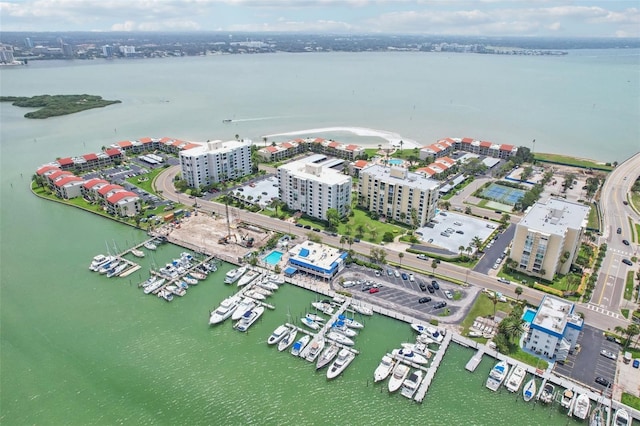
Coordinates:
(481,308)
(592,221)
(527,358)
(146,184)
(637,227)
(635,200)
(572,161)
(628,286)
(631,400)
(625,313)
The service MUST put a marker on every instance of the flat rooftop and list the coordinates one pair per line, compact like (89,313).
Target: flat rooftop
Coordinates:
(317,168)
(315,254)
(401,176)
(214,147)
(553,314)
(556,216)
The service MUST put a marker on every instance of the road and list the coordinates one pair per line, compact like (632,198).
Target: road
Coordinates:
(609,290)
(599,319)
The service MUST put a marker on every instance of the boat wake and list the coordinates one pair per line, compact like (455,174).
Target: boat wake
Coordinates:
(393,138)
(237,120)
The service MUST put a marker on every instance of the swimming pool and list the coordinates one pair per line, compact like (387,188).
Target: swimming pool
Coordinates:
(273,258)
(528,315)
(396,161)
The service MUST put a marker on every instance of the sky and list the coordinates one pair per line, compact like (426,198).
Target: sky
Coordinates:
(540,18)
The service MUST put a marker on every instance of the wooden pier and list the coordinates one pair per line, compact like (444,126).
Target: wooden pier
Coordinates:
(431,371)
(474,361)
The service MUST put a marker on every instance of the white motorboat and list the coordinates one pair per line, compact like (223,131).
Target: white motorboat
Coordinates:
(178,291)
(515,379)
(267,285)
(418,347)
(137,253)
(247,278)
(567,398)
(288,339)
(383,369)
(117,270)
(249,318)
(340,338)
(278,334)
(312,351)
(310,323)
(497,375)
(245,305)
(198,275)
(621,418)
(190,280)
(166,295)
(234,275)
(148,281)
(411,383)
(598,416)
(361,309)
(400,372)
(150,246)
(343,329)
(350,322)
(316,318)
(225,310)
(299,345)
(261,290)
(582,406)
(255,295)
(108,266)
(423,338)
(154,286)
(327,356)
(547,393)
(98,261)
(276,278)
(410,355)
(429,331)
(323,307)
(345,356)
(529,390)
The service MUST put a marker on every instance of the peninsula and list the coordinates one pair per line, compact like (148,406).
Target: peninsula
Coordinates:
(55,105)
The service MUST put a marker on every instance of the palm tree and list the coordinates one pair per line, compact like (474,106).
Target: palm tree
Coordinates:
(477,243)
(343,240)
(511,326)
(632,330)
(519,290)
(264,139)
(401,144)
(460,249)
(373,232)
(400,256)
(434,265)
(360,229)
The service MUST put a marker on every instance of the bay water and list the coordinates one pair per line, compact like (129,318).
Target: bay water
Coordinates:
(78,348)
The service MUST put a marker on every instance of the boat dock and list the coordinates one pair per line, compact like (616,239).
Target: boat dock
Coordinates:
(433,368)
(474,361)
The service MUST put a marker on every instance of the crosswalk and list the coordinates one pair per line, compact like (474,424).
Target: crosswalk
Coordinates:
(600,310)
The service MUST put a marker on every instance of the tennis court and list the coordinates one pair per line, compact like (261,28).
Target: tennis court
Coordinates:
(503,194)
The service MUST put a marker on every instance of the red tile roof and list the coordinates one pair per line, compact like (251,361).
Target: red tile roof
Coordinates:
(504,147)
(299,140)
(486,144)
(177,142)
(190,146)
(287,145)
(166,139)
(124,144)
(450,140)
(427,170)
(145,140)
(467,140)
(318,140)
(272,149)
(352,147)
(93,182)
(65,161)
(59,173)
(108,188)
(68,179)
(44,169)
(90,157)
(333,144)
(119,196)
(361,164)
(112,152)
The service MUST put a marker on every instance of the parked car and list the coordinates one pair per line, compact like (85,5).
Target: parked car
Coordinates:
(627,262)
(404,276)
(625,242)
(636,363)
(504,281)
(619,231)
(431,289)
(316,229)
(448,294)
(396,274)
(299,225)
(424,300)
(411,278)
(307,227)
(374,290)
(356,240)
(602,381)
(377,273)
(422,257)
(608,354)
(435,284)
(439,305)
(389,272)
(423,287)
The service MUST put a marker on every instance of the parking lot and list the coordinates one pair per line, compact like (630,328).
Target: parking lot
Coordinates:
(393,291)
(587,363)
(261,191)
(452,230)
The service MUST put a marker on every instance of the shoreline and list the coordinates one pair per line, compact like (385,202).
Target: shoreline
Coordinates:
(391,137)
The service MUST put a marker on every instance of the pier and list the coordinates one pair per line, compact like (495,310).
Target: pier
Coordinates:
(474,361)
(431,371)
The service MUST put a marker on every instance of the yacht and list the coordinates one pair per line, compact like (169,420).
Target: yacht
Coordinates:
(384,368)
(341,328)
(350,322)
(547,393)
(582,406)
(198,275)
(149,245)
(327,356)
(166,295)
(411,383)
(117,270)
(313,350)
(515,379)
(137,253)
(154,286)
(345,356)
(190,280)
(278,334)
(247,278)
(340,338)
(106,267)
(310,323)
(621,418)
(323,307)
(400,372)
(249,318)
(234,275)
(98,261)
(497,375)
(299,345)
(316,318)
(529,390)
(246,304)
(567,398)
(255,295)
(361,309)
(267,285)
(418,347)
(276,278)
(409,355)
(225,310)
(429,331)
(288,339)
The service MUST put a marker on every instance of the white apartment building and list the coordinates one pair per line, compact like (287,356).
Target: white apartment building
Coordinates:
(398,194)
(312,188)
(546,232)
(215,162)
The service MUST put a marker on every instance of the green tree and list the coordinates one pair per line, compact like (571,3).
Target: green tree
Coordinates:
(467,210)
(277,269)
(373,232)
(333,219)
(434,265)
(400,256)
(388,237)
(519,290)
(360,230)
(343,240)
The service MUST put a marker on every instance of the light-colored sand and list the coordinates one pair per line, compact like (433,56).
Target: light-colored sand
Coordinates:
(393,138)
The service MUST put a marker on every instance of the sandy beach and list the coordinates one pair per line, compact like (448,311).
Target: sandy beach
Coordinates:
(393,138)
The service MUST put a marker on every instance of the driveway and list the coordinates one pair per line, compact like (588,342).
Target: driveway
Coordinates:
(485,264)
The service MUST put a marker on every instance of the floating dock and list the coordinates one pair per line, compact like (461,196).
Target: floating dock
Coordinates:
(474,361)
(431,371)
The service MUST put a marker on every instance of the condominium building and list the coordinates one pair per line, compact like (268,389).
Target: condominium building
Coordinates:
(215,162)
(278,152)
(398,194)
(315,259)
(310,186)
(547,238)
(554,329)
(446,146)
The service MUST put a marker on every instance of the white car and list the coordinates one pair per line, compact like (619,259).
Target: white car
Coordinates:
(377,273)
(411,278)
(396,274)
(448,294)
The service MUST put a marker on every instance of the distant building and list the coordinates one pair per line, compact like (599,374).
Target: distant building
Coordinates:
(127,51)
(308,186)
(6,54)
(28,43)
(545,234)
(395,193)
(107,51)
(316,259)
(446,146)
(330,147)
(215,161)
(554,329)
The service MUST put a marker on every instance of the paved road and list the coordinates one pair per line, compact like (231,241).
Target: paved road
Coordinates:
(608,293)
(598,318)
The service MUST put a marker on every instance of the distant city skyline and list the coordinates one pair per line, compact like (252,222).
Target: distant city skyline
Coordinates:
(539,18)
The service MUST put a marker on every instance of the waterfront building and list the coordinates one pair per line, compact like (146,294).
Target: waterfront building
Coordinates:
(554,329)
(278,152)
(440,165)
(90,188)
(6,54)
(446,146)
(68,187)
(215,162)
(310,186)
(123,203)
(55,175)
(396,193)
(356,167)
(107,51)
(47,169)
(316,259)
(548,237)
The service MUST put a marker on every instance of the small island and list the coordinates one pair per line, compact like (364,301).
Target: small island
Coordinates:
(55,105)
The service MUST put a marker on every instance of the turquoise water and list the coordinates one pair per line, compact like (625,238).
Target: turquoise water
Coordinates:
(396,161)
(273,258)
(528,315)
